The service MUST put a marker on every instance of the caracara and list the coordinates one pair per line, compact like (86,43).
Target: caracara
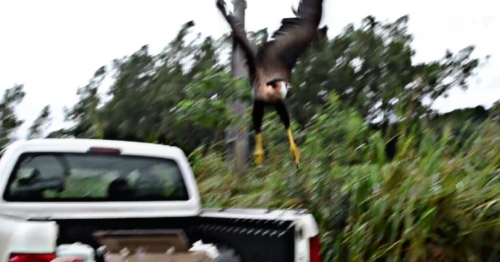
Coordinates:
(270,65)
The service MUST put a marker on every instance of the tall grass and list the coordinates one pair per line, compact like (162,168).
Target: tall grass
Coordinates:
(434,202)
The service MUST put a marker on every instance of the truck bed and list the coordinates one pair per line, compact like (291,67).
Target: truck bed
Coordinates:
(252,239)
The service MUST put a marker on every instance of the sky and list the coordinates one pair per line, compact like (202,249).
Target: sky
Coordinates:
(53,47)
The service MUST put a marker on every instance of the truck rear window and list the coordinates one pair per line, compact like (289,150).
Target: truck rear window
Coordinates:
(66,177)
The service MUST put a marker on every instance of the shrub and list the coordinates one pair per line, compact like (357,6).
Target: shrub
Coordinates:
(431,203)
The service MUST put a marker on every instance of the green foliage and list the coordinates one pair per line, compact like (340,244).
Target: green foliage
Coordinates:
(205,99)
(428,205)
(179,96)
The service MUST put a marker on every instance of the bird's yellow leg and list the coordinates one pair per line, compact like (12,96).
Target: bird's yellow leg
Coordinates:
(293,147)
(259,151)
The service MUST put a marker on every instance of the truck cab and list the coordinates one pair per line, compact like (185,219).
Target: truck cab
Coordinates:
(61,191)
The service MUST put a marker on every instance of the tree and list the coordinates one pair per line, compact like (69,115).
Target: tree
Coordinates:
(371,69)
(175,97)
(85,113)
(11,98)
(41,123)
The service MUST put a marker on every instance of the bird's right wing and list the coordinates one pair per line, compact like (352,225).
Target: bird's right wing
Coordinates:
(240,36)
(295,35)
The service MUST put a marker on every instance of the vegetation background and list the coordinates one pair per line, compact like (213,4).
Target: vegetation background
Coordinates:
(387,177)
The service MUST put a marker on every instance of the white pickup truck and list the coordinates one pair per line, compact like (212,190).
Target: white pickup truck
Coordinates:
(62,191)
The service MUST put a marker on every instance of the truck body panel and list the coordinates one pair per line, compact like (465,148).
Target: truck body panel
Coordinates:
(39,227)
(19,235)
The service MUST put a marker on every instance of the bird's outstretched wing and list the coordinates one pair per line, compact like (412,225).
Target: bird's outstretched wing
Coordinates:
(294,36)
(240,36)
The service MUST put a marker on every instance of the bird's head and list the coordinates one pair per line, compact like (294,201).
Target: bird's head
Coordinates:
(278,87)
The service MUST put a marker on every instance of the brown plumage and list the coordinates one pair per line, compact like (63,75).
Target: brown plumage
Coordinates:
(276,58)
(271,64)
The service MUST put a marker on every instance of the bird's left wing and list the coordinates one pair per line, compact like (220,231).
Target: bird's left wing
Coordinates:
(295,35)
(240,36)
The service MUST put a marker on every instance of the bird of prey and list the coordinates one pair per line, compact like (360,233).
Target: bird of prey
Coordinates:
(270,65)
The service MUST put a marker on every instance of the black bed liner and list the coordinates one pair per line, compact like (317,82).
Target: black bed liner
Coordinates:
(254,240)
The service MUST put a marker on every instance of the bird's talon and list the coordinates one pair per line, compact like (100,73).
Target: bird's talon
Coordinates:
(295,153)
(259,157)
